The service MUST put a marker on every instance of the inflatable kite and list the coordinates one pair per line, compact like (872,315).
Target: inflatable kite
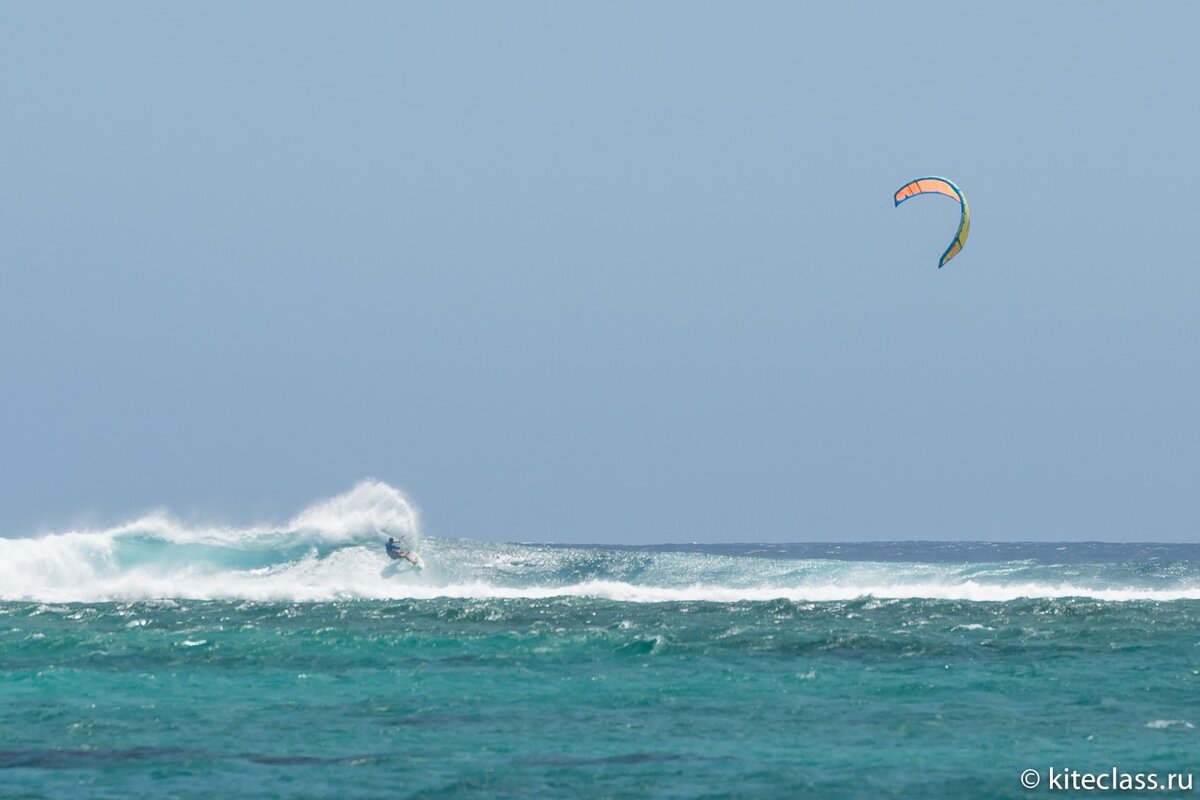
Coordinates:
(934,185)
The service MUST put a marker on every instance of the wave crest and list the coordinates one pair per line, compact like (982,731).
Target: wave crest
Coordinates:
(333,550)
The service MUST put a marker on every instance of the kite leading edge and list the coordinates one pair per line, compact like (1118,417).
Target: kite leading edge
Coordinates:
(942,186)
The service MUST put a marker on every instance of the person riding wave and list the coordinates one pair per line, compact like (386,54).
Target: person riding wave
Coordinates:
(398,550)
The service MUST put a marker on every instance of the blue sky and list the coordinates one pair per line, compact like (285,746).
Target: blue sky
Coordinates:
(603,271)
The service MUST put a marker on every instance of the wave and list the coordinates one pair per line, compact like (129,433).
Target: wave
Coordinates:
(333,550)
(156,555)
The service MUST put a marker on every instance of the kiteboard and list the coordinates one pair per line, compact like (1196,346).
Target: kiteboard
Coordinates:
(412,562)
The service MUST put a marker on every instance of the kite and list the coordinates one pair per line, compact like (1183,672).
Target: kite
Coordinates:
(935,185)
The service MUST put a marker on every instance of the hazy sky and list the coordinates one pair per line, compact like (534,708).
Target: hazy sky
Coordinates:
(603,271)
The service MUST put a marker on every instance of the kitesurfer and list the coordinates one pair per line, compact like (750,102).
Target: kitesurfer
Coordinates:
(398,550)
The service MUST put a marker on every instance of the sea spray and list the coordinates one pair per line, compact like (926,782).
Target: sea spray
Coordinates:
(333,550)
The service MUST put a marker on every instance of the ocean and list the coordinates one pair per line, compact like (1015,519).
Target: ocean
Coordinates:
(158,659)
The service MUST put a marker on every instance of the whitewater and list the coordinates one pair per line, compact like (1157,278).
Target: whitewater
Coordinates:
(332,550)
(293,659)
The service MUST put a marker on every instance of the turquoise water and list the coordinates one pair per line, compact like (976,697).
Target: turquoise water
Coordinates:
(576,697)
(296,663)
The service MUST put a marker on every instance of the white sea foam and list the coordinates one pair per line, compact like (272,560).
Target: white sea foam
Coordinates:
(332,550)
(1163,724)
(357,574)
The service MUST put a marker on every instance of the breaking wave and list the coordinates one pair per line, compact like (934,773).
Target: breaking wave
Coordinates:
(333,550)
